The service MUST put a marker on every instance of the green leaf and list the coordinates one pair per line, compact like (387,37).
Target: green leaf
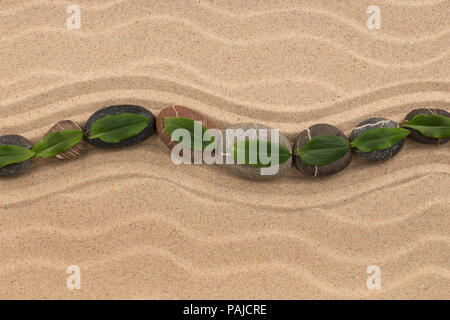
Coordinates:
(323,150)
(247,148)
(379,138)
(172,124)
(57,142)
(113,129)
(431,126)
(14,154)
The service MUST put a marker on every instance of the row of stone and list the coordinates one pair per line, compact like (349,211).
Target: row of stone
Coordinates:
(303,138)
(157,123)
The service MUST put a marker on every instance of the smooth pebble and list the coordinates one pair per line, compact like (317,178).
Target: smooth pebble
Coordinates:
(255,172)
(305,136)
(377,155)
(15,168)
(419,137)
(114,111)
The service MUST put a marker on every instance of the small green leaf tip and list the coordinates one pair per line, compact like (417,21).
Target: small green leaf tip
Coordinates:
(195,142)
(14,154)
(323,150)
(431,126)
(57,142)
(251,150)
(379,138)
(113,129)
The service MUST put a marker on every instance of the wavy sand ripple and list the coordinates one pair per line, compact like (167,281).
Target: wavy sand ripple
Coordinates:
(141,227)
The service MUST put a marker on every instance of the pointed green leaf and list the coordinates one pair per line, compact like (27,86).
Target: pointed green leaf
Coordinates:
(431,126)
(113,129)
(57,142)
(172,124)
(14,154)
(251,150)
(379,138)
(323,150)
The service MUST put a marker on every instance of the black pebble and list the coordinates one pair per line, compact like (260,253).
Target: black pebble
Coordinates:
(15,168)
(114,111)
(416,135)
(320,129)
(377,155)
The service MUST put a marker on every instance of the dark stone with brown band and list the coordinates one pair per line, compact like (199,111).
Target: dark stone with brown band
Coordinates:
(377,155)
(305,136)
(419,137)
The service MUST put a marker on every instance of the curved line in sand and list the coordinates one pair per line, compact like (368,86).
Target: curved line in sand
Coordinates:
(251,14)
(189,90)
(226,84)
(205,196)
(145,62)
(242,43)
(204,172)
(201,271)
(199,237)
(415,3)
(361,224)
(345,21)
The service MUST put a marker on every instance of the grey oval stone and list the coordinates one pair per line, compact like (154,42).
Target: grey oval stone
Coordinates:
(419,137)
(15,168)
(305,136)
(377,155)
(117,110)
(254,172)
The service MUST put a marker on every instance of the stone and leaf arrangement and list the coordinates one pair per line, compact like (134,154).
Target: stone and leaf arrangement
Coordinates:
(321,149)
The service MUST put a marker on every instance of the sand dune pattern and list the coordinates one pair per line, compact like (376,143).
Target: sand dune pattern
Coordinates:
(140,227)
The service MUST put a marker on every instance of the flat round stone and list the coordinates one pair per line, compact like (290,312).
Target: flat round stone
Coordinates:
(305,136)
(75,151)
(115,111)
(178,112)
(419,137)
(255,172)
(15,168)
(377,155)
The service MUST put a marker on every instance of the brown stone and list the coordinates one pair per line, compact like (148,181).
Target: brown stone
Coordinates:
(320,129)
(178,112)
(75,151)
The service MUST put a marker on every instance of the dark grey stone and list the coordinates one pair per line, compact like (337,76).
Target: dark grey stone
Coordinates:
(320,129)
(114,111)
(416,135)
(377,155)
(254,172)
(15,168)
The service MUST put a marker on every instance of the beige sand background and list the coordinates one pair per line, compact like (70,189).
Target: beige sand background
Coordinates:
(140,227)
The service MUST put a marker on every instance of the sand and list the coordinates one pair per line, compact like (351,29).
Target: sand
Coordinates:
(140,227)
